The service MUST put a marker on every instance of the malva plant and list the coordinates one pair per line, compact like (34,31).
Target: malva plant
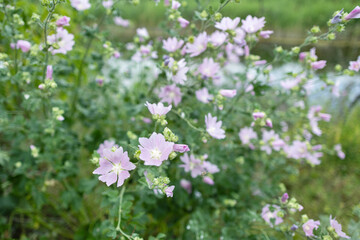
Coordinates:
(191,133)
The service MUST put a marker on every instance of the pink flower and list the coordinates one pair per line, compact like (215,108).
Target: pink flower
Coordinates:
(60,118)
(258,115)
(121,22)
(64,40)
(116,54)
(260,62)
(213,127)
(49,72)
(175,5)
(208,68)
(172,44)
(217,38)
(23,45)
(114,166)
(181,148)
(266,34)
(208,180)
(107,144)
(170,93)
(80,5)
(203,95)
(240,36)
(183,22)
(155,150)
(355,13)
(185,184)
(338,229)
(253,24)
(169,191)
(158,109)
(318,64)
(284,197)
(198,46)
(107,3)
(180,75)
(270,212)
(142,33)
(289,84)
(246,134)
(63,21)
(227,23)
(339,151)
(230,93)
(302,56)
(268,123)
(309,226)
(355,65)
(192,164)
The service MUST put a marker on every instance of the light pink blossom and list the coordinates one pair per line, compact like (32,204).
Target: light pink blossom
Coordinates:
(172,44)
(49,72)
(63,21)
(338,228)
(208,180)
(183,22)
(170,94)
(309,227)
(271,212)
(114,166)
(246,134)
(107,3)
(217,38)
(107,144)
(318,64)
(339,151)
(253,24)
(208,68)
(23,45)
(185,184)
(155,150)
(175,5)
(230,93)
(227,23)
(64,40)
(121,22)
(355,65)
(158,109)
(198,46)
(169,191)
(213,127)
(266,34)
(80,5)
(203,95)
(355,13)
(181,148)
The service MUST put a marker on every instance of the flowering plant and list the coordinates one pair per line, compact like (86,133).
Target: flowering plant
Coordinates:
(191,133)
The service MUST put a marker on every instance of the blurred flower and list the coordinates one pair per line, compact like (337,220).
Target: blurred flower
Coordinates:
(192,165)
(208,180)
(181,148)
(121,22)
(217,38)
(155,150)
(63,21)
(309,226)
(142,34)
(49,72)
(198,46)
(169,191)
(271,212)
(230,93)
(114,166)
(213,127)
(355,65)
(185,184)
(183,22)
(170,94)
(175,5)
(246,134)
(355,13)
(253,24)
(23,45)
(107,144)
(158,109)
(318,64)
(337,17)
(227,23)
(339,151)
(208,68)
(107,3)
(284,197)
(80,5)
(266,34)
(172,44)
(178,75)
(338,229)
(203,95)
(63,39)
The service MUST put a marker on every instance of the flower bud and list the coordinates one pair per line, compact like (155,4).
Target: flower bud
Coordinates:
(331,36)
(315,29)
(172,155)
(218,16)
(204,14)
(295,50)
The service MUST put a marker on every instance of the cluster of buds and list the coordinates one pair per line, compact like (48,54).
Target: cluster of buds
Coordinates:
(58,113)
(110,51)
(169,135)
(260,119)
(159,184)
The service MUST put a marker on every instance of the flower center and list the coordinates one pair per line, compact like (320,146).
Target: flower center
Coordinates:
(117,168)
(211,129)
(155,154)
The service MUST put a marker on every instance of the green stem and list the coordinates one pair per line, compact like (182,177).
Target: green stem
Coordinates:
(46,22)
(188,122)
(118,228)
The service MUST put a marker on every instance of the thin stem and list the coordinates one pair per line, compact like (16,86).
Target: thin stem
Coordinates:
(118,228)
(188,122)
(46,22)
